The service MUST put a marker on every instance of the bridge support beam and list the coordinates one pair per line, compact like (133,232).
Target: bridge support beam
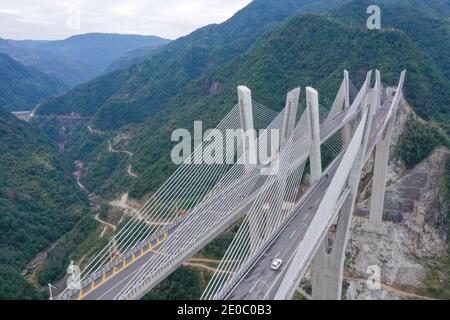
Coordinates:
(246,114)
(378,88)
(342,100)
(381,164)
(290,115)
(341,103)
(379,177)
(347,135)
(328,267)
(315,160)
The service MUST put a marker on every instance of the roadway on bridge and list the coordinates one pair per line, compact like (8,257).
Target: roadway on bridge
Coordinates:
(260,282)
(109,285)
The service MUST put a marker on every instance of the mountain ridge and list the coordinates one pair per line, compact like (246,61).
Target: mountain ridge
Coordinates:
(151,84)
(77,59)
(23,87)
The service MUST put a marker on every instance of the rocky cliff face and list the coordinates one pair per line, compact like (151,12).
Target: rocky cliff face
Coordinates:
(412,240)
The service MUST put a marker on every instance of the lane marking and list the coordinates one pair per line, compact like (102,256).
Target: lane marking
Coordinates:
(306,198)
(280,274)
(107,278)
(306,216)
(250,292)
(293,234)
(276,256)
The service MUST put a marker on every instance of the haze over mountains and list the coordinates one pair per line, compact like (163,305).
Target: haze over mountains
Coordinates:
(136,90)
(195,77)
(22,87)
(79,58)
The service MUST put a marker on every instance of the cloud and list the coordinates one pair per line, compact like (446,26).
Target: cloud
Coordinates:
(53,19)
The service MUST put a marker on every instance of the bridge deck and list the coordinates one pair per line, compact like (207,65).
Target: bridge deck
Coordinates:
(260,282)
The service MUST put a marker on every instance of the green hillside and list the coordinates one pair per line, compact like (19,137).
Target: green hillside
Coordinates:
(23,87)
(270,48)
(427,24)
(146,89)
(295,54)
(39,201)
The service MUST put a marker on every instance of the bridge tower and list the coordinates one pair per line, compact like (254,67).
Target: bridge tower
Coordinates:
(249,134)
(290,115)
(315,160)
(328,264)
(287,128)
(381,161)
(341,103)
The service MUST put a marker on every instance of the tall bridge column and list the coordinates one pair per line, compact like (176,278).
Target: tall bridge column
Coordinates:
(249,135)
(315,160)
(381,164)
(249,147)
(378,88)
(328,265)
(347,134)
(379,177)
(341,103)
(290,115)
(285,195)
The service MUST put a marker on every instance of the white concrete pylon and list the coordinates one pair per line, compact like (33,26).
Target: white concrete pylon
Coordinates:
(327,268)
(342,100)
(381,163)
(290,114)
(312,106)
(378,88)
(249,134)
(347,90)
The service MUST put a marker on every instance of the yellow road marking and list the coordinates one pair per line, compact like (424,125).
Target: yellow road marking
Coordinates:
(115,269)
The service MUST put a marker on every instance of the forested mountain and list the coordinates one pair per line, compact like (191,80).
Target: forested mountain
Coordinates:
(426,23)
(67,71)
(77,59)
(271,67)
(133,57)
(271,46)
(146,88)
(39,201)
(195,78)
(23,87)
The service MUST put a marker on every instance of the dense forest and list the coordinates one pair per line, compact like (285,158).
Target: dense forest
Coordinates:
(39,200)
(270,67)
(21,88)
(270,46)
(426,137)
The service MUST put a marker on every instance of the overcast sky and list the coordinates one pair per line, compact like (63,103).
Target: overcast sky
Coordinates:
(59,19)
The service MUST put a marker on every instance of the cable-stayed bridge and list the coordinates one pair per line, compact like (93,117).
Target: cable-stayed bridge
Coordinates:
(282,212)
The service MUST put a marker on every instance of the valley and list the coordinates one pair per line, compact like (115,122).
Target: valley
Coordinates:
(94,145)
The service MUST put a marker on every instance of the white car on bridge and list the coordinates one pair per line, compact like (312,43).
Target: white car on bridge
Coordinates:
(276,264)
